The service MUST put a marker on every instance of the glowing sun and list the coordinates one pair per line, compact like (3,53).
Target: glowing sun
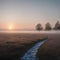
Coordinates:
(10,27)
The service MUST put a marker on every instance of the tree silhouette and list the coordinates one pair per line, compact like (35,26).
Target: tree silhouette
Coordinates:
(57,26)
(39,27)
(48,26)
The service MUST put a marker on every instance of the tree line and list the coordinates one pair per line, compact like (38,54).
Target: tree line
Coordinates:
(48,26)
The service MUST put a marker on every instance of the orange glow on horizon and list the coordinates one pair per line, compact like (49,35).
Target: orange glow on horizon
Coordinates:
(10,27)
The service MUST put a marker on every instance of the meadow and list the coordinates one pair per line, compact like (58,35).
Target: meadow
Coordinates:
(14,45)
(51,49)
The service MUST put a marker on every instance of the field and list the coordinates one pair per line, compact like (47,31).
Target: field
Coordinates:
(51,49)
(14,45)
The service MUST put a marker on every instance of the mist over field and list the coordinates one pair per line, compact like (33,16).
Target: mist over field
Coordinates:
(29,29)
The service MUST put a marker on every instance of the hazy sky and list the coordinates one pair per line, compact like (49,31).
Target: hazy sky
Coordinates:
(25,14)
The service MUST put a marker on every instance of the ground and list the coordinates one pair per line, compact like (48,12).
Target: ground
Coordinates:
(50,50)
(14,45)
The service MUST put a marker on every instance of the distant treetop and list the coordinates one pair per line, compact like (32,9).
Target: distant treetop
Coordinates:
(39,27)
(57,26)
(48,26)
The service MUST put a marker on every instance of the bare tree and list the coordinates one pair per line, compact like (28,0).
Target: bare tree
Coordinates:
(48,26)
(39,27)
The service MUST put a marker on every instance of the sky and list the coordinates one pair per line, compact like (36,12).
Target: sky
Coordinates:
(25,14)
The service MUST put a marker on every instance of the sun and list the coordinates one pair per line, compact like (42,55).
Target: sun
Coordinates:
(10,27)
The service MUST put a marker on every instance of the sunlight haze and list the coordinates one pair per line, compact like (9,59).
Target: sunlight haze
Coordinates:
(25,14)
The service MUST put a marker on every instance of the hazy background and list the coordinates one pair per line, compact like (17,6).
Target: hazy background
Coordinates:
(25,14)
